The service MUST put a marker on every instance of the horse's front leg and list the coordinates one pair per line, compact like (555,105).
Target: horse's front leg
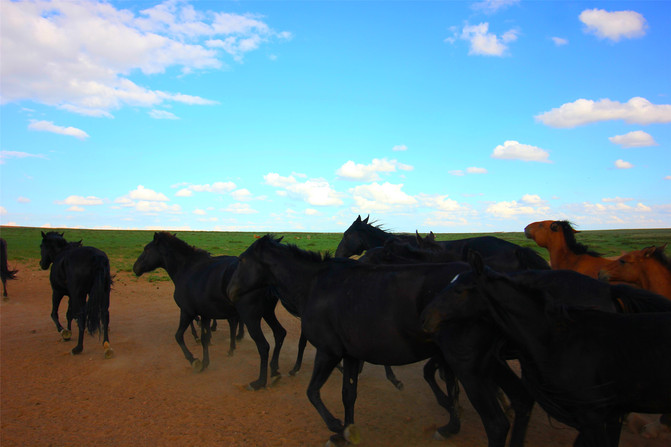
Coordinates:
(56,298)
(279,333)
(184,321)
(350,377)
(322,369)
(448,401)
(392,377)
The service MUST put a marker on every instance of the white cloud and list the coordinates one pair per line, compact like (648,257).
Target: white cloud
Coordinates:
(142,193)
(513,150)
(528,205)
(559,41)
(440,203)
(584,111)
(399,148)
(381,197)
(3,210)
(240,208)
(637,138)
(48,126)
(241,195)
(148,201)
(616,199)
(316,192)
(163,115)
(621,164)
(77,55)
(470,170)
(81,201)
(613,25)
(369,173)
(23,200)
(216,188)
(484,43)
(668,177)
(311,212)
(199,212)
(532,199)
(492,6)
(4,155)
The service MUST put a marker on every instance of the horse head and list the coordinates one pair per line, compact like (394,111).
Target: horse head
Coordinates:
(52,244)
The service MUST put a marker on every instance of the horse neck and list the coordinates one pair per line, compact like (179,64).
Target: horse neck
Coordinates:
(376,237)
(656,278)
(293,276)
(175,260)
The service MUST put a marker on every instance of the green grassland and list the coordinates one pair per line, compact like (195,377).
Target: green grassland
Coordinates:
(124,246)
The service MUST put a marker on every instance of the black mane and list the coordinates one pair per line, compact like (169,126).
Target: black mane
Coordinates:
(575,246)
(179,245)
(312,256)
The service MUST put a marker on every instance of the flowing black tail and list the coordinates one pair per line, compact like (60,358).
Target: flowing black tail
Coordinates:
(99,296)
(4,269)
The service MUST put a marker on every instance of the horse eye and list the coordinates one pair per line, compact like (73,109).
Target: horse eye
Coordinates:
(622,261)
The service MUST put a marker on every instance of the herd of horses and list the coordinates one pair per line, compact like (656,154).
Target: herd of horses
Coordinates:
(466,307)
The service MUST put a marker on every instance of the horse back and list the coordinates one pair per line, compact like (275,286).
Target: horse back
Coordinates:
(75,269)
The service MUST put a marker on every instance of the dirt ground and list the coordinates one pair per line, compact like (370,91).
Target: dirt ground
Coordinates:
(148,395)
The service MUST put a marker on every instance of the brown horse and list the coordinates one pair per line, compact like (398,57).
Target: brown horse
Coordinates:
(565,252)
(648,269)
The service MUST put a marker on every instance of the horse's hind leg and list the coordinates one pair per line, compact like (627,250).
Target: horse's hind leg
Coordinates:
(241,331)
(392,377)
(444,400)
(323,366)
(349,391)
(78,306)
(233,325)
(105,320)
(302,341)
(205,337)
(279,333)
(522,402)
(56,298)
(184,321)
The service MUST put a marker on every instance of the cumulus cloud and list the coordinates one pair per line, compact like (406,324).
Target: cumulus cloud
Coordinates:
(637,138)
(80,201)
(482,41)
(148,201)
(78,55)
(48,126)
(559,41)
(439,202)
(216,188)
(241,195)
(369,173)
(399,148)
(470,170)
(614,25)
(316,192)
(621,164)
(514,150)
(585,111)
(240,208)
(381,197)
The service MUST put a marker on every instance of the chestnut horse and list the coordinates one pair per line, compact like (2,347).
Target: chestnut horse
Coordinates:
(648,269)
(565,252)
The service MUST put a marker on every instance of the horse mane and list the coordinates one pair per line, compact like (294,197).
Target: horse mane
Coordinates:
(659,256)
(374,228)
(569,236)
(632,299)
(180,246)
(308,255)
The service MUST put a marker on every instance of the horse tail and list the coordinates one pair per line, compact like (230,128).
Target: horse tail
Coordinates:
(630,299)
(4,269)
(99,296)
(529,259)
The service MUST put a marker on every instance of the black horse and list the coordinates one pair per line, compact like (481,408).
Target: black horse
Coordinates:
(571,360)
(78,271)
(200,290)
(5,272)
(498,253)
(351,312)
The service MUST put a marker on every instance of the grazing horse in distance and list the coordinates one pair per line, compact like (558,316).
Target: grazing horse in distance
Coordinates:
(5,272)
(585,368)
(200,282)
(78,271)
(351,312)
(558,236)
(649,269)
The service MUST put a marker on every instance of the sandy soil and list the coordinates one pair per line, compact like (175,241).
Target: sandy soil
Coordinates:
(148,395)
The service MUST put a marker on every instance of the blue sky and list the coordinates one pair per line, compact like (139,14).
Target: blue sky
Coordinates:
(299,116)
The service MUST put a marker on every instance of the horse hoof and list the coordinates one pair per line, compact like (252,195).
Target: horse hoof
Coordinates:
(399,386)
(76,350)
(109,352)
(197,340)
(352,434)
(66,334)
(274,379)
(197,365)
(336,441)
(231,352)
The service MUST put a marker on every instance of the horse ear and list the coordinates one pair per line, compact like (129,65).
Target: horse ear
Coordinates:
(475,260)
(358,218)
(554,226)
(431,236)
(418,237)
(63,234)
(649,251)
(366,219)
(280,239)
(43,235)
(156,235)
